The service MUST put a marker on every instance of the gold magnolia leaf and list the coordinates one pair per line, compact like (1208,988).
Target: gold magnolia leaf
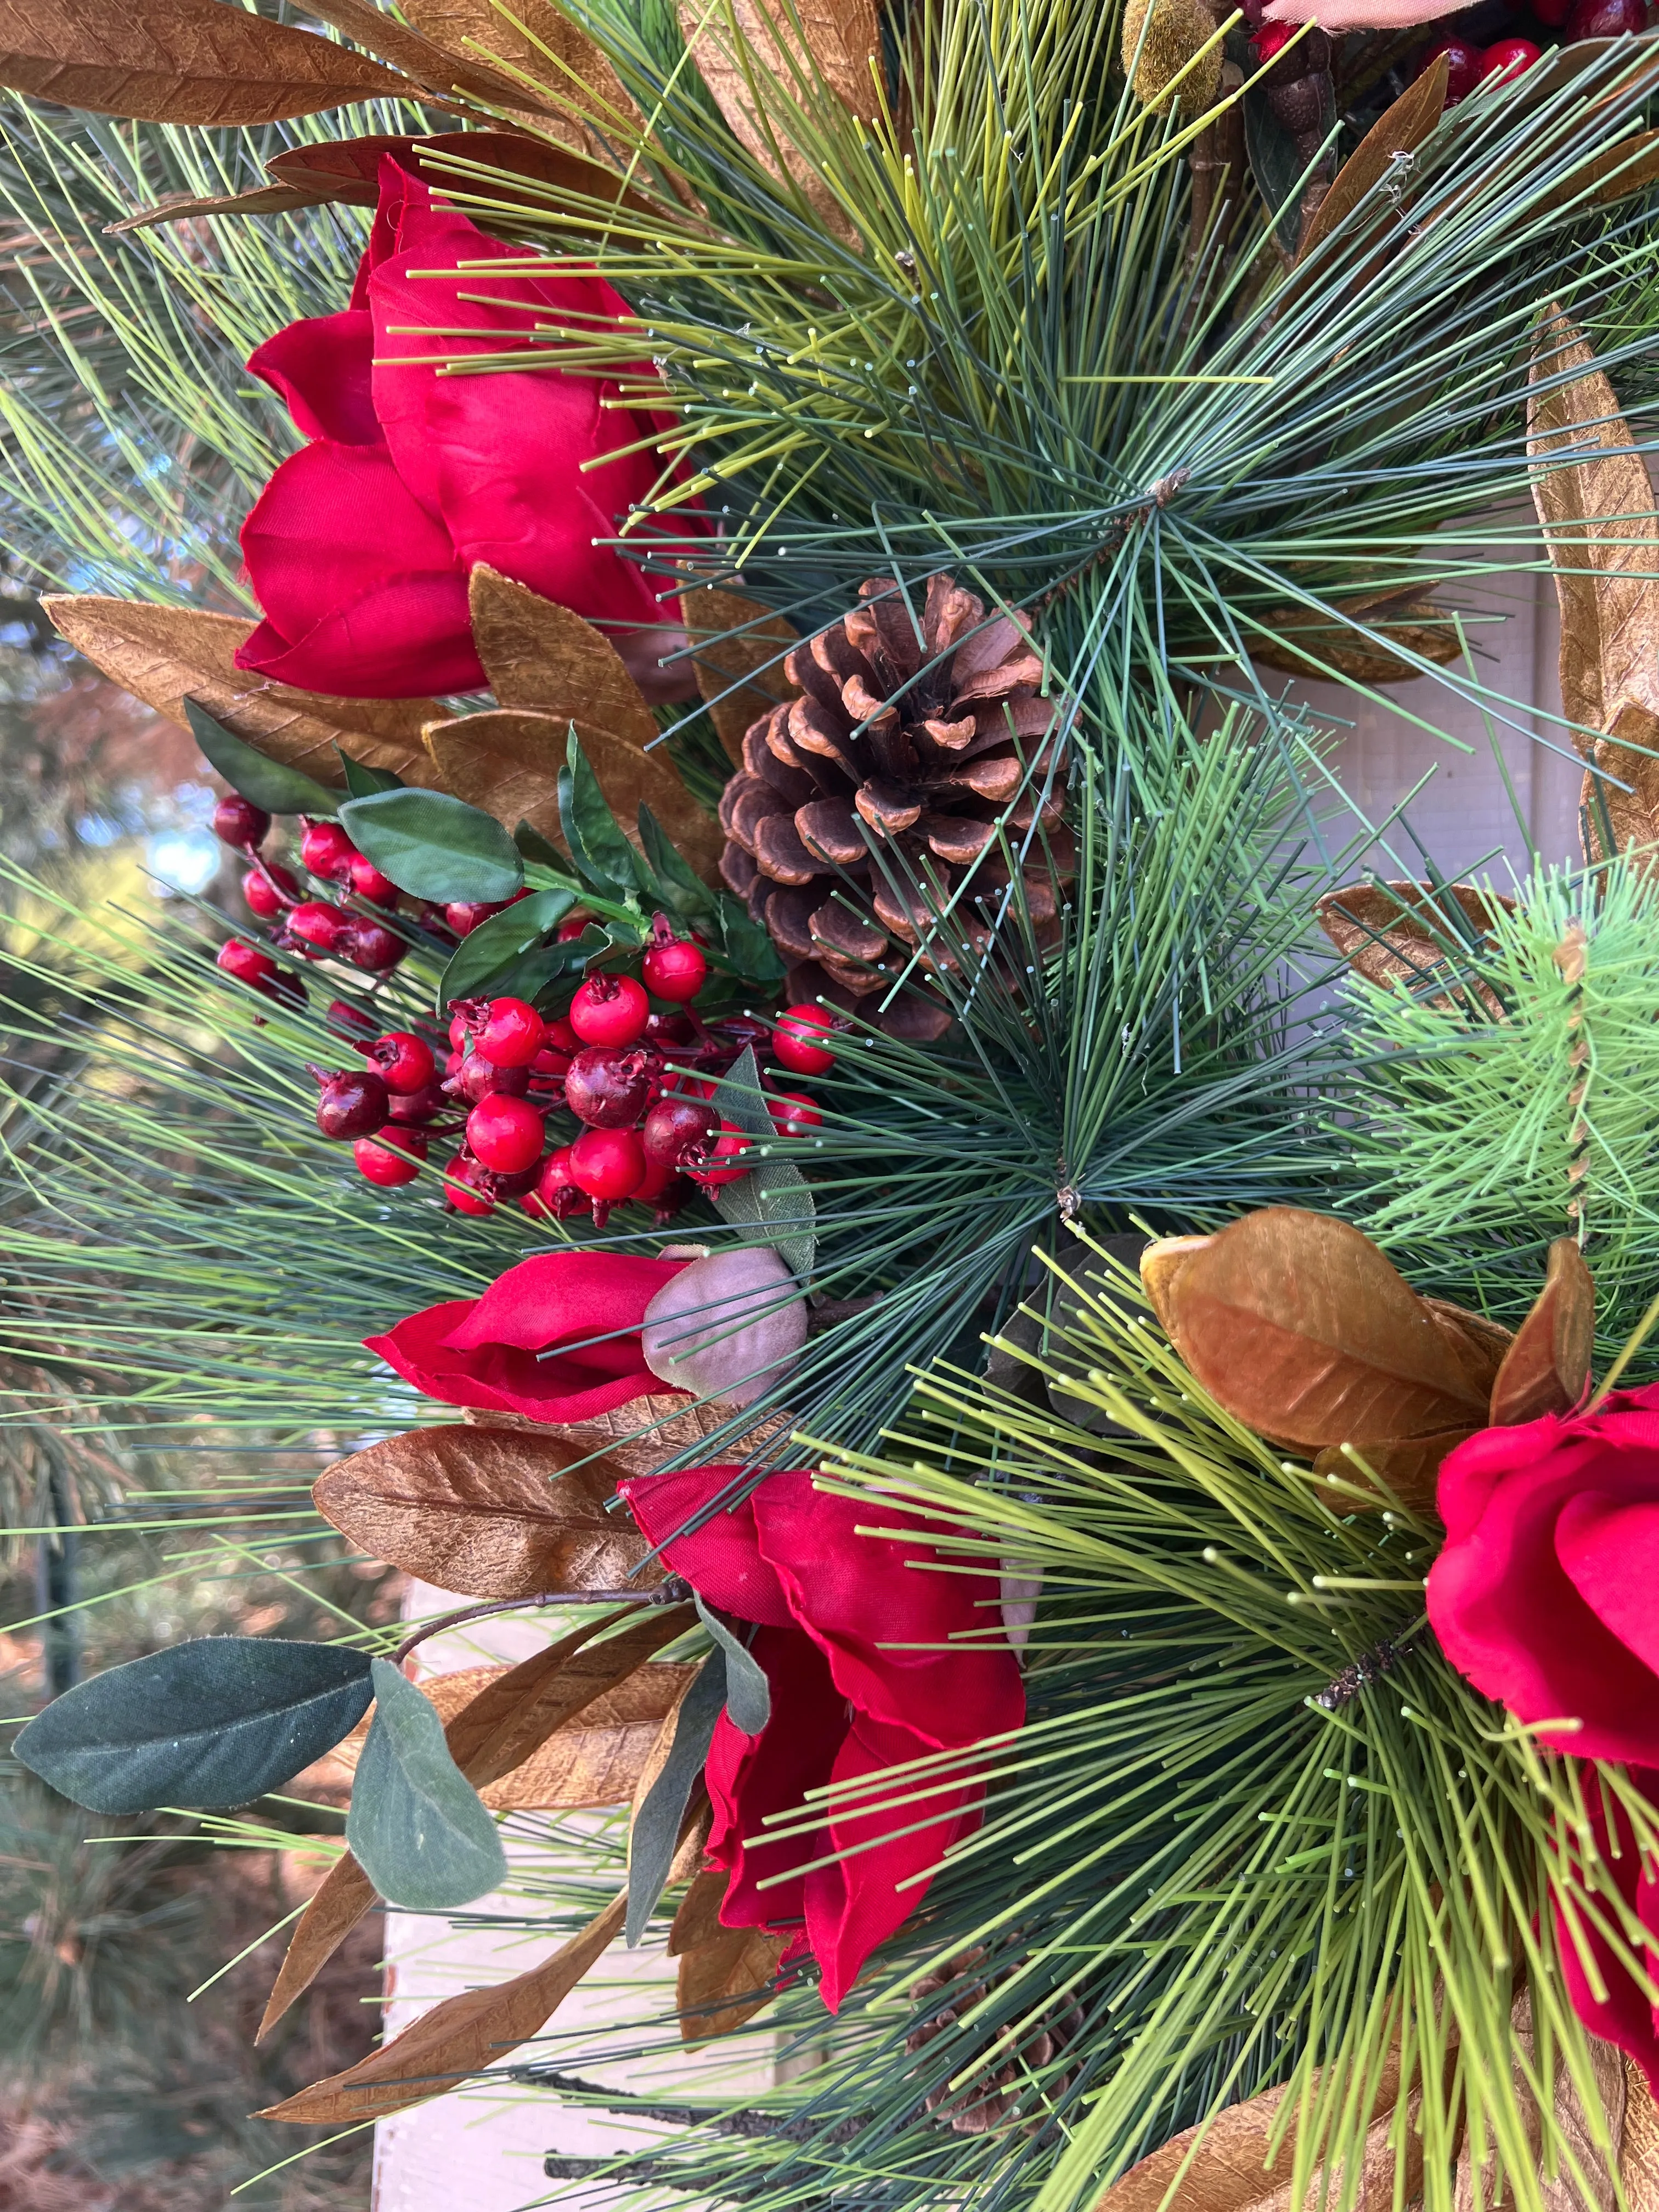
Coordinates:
(181,61)
(1227,2167)
(747,641)
(726,1974)
(1598,522)
(487,1513)
(538,654)
(1546,1368)
(1612,174)
(438,67)
(1299,1328)
(1597,2160)
(1639,2152)
(1480,1346)
(178,207)
(462,2035)
(642,1435)
(1401,129)
(558,68)
(1399,931)
(164,654)
(1408,1467)
(1160,38)
(1412,622)
(510,1716)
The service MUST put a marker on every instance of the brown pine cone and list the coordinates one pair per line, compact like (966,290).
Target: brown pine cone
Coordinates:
(983,2103)
(952,728)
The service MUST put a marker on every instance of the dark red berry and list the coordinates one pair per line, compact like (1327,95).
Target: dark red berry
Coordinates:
(505,1133)
(667,1030)
(554,1192)
(403,1062)
(315,926)
(416,1105)
(268,889)
(797,1042)
(549,1067)
(352,1104)
(678,1129)
(1607,19)
(368,883)
(793,1113)
(1463,59)
(1507,57)
(351,1021)
(239,825)
(481,1079)
(560,1037)
(666,1192)
(390,1158)
(326,852)
(609,1010)
(719,1162)
(464,1190)
(464,915)
(674,969)
(511,1034)
(1552,12)
(609,1086)
(370,945)
(608,1163)
(247,963)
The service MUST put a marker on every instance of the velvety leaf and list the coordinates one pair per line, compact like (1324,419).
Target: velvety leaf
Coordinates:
(738,643)
(1409,1467)
(464,2035)
(363,782)
(181,61)
(1299,1328)
(1597,514)
(564,70)
(665,1791)
(539,654)
(487,1513)
(212,1723)
(164,656)
(435,847)
(725,1980)
(263,782)
(773,1195)
(496,944)
(416,1826)
(1400,933)
(1546,1369)
(1414,624)
(748,1692)
(1401,129)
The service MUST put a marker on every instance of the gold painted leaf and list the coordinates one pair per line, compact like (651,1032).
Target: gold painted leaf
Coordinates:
(1299,1328)
(1399,130)
(538,654)
(1603,539)
(1400,932)
(178,207)
(462,2036)
(725,1973)
(487,1513)
(163,654)
(1412,622)
(1620,2115)
(756,652)
(1612,174)
(442,70)
(1547,1368)
(564,67)
(1409,1467)
(642,1435)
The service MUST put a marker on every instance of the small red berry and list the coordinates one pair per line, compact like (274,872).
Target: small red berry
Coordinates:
(1507,57)
(505,1133)
(1463,60)
(676,1130)
(316,926)
(239,825)
(560,1037)
(608,1163)
(370,945)
(571,929)
(1607,19)
(793,1113)
(550,1066)
(247,963)
(719,1162)
(555,1193)
(351,1104)
(609,1010)
(464,1192)
(368,883)
(351,1021)
(676,970)
(416,1105)
(390,1158)
(326,852)
(480,1078)
(459,1030)
(268,889)
(609,1086)
(403,1062)
(511,1034)
(464,915)
(795,1040)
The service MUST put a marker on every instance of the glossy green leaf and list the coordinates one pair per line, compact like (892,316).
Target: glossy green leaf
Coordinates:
(264,783)
(602,856)
(363,782)
(677,887)
(748,947)
(534,847)
(500,943)
(748,1692)
(435,847)
(417,1827)
(657,1824)
(213,1722)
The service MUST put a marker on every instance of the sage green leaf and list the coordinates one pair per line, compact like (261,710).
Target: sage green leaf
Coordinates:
(417,1827)
(738,1098)
(748,1692)
(435,847)
(263,782)
(774,1195)
(678,888)
(602,856)
(363,782)
(213,1722)
(657,1824)
(499,943)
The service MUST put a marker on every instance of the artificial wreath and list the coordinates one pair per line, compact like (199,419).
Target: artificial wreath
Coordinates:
(820,1079)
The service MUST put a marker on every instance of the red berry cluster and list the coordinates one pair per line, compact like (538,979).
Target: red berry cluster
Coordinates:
(1468,65)
(310,927)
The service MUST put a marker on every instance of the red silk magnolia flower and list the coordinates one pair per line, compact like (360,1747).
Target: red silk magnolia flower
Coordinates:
(849,1638)
(556,1338)
(1544,1597)
(360,547)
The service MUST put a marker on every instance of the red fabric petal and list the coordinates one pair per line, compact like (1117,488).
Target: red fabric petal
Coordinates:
(320,368)
(1626,2019)
(1610,1547)
(563,1295)
(750,1776)
(722,1559)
